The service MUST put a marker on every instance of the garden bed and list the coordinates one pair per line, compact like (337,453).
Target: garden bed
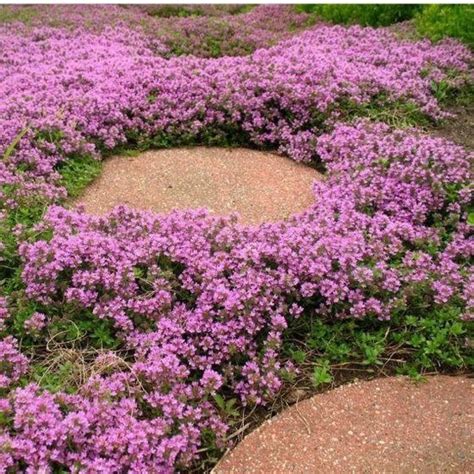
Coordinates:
(132,341)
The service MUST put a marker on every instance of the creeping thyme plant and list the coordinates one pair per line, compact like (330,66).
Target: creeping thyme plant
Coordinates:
(129,341)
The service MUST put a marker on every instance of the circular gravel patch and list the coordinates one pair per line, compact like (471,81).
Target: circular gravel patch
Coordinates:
(260,186)
(386,425)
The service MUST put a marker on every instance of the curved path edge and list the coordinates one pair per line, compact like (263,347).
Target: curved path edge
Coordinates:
(385,425)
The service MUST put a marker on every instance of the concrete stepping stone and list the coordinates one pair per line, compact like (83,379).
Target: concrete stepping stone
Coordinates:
(261,186)
(390,425)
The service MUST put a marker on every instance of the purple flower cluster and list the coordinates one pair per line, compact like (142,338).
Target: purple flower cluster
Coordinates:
(4,314)
(198,303)
(231,35)
(13,364)
(216,31)
(36,322)
(101,430)
(76,92)
(202,302)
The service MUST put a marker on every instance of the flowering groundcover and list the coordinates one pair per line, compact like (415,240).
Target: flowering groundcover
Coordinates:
(171,314)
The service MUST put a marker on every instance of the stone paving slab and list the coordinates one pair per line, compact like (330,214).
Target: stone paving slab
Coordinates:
(261,186)
(390,425)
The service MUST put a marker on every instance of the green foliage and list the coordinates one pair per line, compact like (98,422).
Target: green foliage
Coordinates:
(10,13)
(23,310)
(371,347)
(297,355)
(365,15)
(322,373)
(225,135)
(470,218)
(77,172)
(227,408)
(440,21)
(27,214)
(432,21)
(436,340)
(168,11)
(411,343)
(399,114)
(212,452)
(463,96)
(53,379)
(83,329)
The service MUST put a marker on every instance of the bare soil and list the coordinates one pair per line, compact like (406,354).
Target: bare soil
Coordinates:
(459,128)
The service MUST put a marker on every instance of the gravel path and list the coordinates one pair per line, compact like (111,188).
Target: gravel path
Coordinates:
(260,186)
(386,425)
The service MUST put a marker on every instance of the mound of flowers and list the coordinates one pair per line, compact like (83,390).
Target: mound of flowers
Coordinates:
(208,31)
(200,303)
(76,92)
(190,310)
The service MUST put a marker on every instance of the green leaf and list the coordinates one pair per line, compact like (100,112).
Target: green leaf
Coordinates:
(457,329)
(298,356)
(220,402)
(470,218)
(322,374)
(14,143)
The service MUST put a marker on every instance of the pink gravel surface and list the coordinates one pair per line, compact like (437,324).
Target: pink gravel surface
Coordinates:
(260,186)
(386,425)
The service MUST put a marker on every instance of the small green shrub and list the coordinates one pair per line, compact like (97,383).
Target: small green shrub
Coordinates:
(365,15)
(440,21)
